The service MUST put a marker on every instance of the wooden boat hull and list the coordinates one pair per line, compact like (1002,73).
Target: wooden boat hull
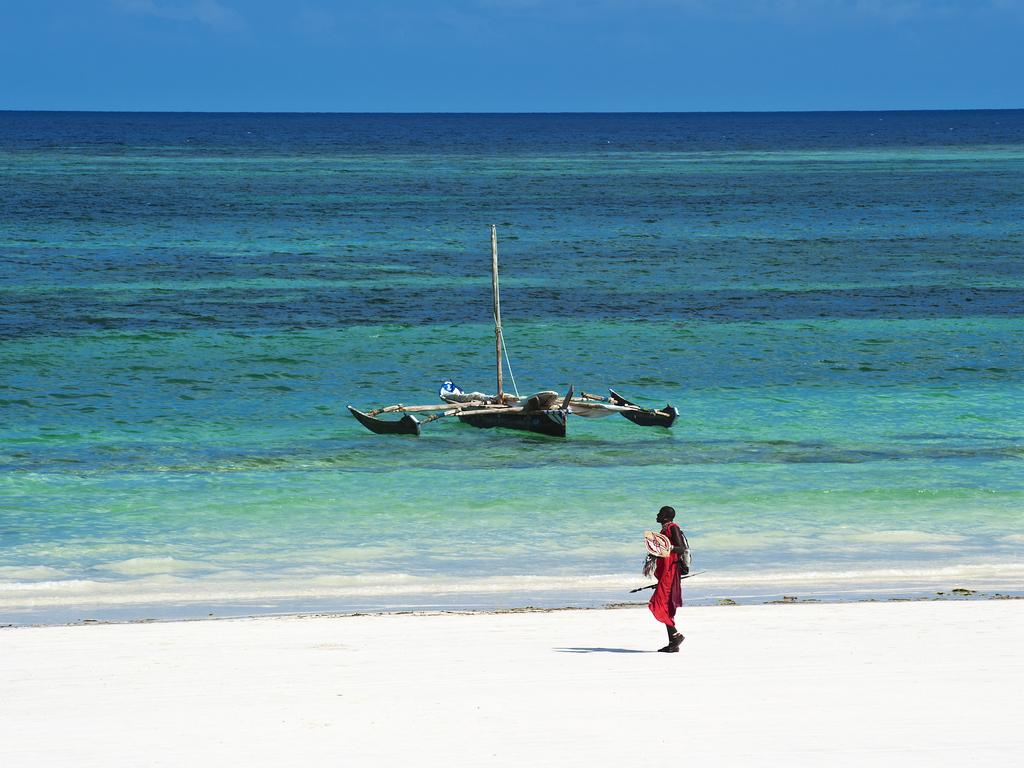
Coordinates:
(545,422)
(407,425)
(645,417)
(665,417)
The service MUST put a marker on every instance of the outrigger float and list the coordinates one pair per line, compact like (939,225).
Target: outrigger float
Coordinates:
(544,413)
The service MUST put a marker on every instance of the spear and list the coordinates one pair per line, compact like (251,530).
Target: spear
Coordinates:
(652,586)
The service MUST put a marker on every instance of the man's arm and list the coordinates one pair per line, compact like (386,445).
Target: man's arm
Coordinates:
(677,540)
(678,547)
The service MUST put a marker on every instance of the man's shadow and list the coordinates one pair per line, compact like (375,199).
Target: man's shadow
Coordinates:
(598,650)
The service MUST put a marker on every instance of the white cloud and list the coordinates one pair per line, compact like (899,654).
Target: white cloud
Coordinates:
(207,12)
(820,10)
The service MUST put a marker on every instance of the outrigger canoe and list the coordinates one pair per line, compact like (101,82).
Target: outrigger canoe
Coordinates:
(544,413)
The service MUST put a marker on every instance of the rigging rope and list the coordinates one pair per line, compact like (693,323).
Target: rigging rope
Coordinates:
(509,364)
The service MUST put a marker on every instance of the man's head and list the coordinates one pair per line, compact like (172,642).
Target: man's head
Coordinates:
(666,514)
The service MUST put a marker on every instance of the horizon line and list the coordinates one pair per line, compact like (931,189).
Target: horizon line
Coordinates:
(508,112)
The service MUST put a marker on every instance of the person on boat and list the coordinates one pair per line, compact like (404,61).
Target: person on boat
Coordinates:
(668,594)
(448,390)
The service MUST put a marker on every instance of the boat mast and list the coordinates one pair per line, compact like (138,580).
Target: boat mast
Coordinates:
(497,305)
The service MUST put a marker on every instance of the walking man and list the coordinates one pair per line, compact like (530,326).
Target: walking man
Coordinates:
(668,594)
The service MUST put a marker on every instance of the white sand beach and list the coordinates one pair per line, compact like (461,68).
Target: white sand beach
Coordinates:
(854,684)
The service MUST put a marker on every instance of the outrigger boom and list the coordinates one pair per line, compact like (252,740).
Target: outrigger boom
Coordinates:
(543,413)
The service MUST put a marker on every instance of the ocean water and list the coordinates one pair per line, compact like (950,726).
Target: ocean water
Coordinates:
(834,301)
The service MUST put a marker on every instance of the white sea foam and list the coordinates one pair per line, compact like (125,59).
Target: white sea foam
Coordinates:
(140,566)
(31,573)
(385,591)
(907,537)
(829,542)
(733,541)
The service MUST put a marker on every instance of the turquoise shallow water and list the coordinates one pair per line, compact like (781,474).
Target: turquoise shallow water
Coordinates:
(188,309)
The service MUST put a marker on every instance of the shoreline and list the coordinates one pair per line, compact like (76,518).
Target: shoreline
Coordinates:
(160,597)
(60,602)
(956,594)
(841,684)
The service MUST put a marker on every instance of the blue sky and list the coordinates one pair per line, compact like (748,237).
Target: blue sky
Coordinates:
(511,55)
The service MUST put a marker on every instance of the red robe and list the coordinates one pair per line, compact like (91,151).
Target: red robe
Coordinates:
(668,595)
